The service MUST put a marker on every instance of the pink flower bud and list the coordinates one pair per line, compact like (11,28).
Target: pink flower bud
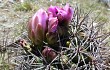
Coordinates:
(52,24)
(51,35)
(49,54)
(37,27)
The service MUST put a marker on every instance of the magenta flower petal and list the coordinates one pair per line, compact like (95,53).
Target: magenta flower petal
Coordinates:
(40,18)
(69,11)
(64,15)
(53,10)
(31,34)
(52,24)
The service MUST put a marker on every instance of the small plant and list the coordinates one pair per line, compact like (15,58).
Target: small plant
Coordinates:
(61,38)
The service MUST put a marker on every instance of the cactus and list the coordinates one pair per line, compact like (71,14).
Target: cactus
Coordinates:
(63,40)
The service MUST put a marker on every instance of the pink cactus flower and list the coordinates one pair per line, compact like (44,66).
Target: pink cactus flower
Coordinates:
(37,27)
(45,25)
(64,15)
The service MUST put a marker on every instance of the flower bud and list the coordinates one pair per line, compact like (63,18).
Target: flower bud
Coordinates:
(37,27)
(49,54)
